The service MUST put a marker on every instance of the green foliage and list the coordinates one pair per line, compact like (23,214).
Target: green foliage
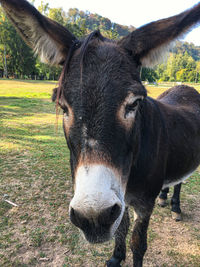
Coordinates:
(180,66)
(190,48)
(149,74)
(95,21)
(44,8)
(57,15)
(46,72)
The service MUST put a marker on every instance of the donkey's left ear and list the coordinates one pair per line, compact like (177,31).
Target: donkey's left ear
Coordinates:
(47,38)
(147,43)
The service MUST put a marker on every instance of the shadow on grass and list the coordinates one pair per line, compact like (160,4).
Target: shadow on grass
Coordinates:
(22,123)
(29,81)
(14,106)
(28,136)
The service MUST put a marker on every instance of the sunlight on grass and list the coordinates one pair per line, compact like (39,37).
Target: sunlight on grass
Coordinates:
(9,146)
(43,137)
(155,90)
(40,119)
(25,89)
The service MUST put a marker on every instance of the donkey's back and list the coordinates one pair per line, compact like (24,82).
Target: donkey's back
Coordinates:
(181,96)
(182,118)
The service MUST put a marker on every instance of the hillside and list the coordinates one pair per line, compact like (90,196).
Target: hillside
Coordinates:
(95,21)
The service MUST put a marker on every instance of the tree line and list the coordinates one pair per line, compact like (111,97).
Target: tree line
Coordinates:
(17,59)
(182,65)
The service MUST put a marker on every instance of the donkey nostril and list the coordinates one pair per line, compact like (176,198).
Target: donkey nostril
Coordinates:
(115,211)
(78,219)
(109,215)
(106,217)
(75,217)
(72,216)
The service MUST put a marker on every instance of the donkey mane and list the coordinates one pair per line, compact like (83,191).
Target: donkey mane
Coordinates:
(83,46)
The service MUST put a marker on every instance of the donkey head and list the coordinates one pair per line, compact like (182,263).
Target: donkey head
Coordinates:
(102,98)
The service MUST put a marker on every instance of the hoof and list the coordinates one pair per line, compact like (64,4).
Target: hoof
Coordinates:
(113,262)
(176,216)
(162,202)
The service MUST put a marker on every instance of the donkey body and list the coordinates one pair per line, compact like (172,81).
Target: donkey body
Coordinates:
(124,146)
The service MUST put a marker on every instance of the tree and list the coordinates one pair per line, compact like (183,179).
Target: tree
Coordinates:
(73,15)
(197,76)
(148,75)
(57,15)
(3,42)
(182,75)
(179,67)
(44,8)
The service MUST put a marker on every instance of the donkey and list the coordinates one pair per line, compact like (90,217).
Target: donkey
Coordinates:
(124,146)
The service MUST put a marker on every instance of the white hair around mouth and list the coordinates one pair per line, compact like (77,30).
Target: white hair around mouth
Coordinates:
(98,187)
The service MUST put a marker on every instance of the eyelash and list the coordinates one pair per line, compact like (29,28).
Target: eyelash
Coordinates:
(132,107)
(65,111)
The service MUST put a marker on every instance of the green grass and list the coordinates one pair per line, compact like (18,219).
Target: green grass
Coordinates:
(35,174)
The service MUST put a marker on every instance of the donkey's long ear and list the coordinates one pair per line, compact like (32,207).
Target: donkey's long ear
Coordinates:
(48,39)
(147,43)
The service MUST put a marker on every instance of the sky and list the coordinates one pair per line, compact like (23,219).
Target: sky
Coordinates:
(132,12)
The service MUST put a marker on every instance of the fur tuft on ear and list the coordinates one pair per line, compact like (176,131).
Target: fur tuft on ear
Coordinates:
(148,43)
(157,55)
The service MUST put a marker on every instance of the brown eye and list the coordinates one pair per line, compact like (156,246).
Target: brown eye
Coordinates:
(131,107)
(65,111)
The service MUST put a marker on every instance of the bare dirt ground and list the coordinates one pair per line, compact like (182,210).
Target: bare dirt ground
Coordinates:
(170,243)
(176,243)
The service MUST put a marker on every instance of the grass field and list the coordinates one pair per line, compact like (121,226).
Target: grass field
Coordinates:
(35,174)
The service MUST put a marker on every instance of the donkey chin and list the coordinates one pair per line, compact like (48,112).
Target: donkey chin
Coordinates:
(98,204)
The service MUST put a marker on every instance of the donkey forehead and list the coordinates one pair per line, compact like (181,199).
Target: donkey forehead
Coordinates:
(103,50)
(102,63)
(106,72)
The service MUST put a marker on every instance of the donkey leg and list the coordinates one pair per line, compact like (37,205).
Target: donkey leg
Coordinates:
(175,203)
(119,253)
(162,199)
(139,238)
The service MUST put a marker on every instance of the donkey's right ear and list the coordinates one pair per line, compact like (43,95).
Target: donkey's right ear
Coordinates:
(147,43)
(47,38)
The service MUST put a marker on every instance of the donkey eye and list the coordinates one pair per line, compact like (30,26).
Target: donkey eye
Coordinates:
(131,107)
(65,111)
